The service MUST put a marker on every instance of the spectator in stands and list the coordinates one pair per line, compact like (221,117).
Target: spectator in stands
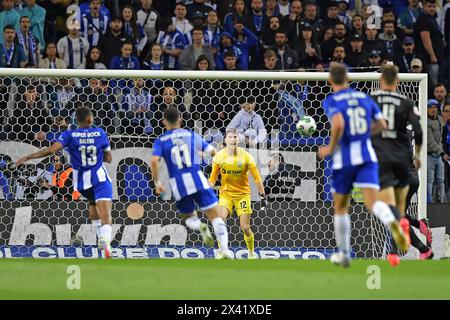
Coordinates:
(287,57)
(172,41)
(85,8)
(29,43)
(338,54)
(343,14)
(61,99)
(392,44)
(375,60)
(149,19)
(226,45)
(11,55)
(154,59)
(282,179)
(181,23)
(198,6)
(211,32)
(189,56)
(358,25)
(73,48)
(271,8)
(257,17)
(36,14)
(436,155)
(339,38)
(203,63)
(408,17)
(444,74)
(440,95)
(94,60)
(328,34)
(310,16)
(356,56)
(94,23)
(126,61)
(248,123)
(8,17)
(270,60)
(136,106)
(429,39)
(29,115)
(247,43)
(446,147)
(291,23)
(133,29)
(110,43)
(332,16)
(198,20)
(268,34)
(406,55)
(308,49)
(50,58)
(417,66)
(168,97)
(371,42)
(230,61)
(239,13)
(283,8)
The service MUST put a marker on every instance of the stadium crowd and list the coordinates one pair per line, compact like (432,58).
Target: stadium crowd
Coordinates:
(288,35)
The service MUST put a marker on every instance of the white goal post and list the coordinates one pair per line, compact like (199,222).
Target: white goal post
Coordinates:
(370,81)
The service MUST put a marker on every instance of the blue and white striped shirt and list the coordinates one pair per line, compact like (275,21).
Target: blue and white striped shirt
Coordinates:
(358,110)
(180,149)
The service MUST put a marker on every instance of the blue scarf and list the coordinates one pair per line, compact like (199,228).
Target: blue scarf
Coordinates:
(29,47)
(9,55)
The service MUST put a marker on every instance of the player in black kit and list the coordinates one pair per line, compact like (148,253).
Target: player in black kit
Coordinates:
(392,147)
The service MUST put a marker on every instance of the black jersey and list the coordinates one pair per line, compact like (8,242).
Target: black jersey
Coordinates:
(394,143)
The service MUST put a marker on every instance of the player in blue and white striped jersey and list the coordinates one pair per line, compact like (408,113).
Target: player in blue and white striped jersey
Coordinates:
(88,148)
(354,116)
(182,151)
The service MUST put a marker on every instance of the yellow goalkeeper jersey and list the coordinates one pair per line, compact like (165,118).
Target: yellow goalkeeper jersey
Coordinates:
(234,170)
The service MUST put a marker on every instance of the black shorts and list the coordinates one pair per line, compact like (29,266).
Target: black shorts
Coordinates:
(394,174)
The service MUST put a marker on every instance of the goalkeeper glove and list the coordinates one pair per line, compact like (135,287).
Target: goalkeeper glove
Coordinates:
(264,203)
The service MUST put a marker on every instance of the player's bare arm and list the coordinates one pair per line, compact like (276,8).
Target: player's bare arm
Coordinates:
(337,129)
(107,156)
(378,126)
(154,167)
(54,148)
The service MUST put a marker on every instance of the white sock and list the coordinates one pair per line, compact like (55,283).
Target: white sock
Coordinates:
(381,211)
(342,229)
(105,231)
(193,222)
(97,223)
(220,229)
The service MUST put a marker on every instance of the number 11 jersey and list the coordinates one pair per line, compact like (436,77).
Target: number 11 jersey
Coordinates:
(181,150)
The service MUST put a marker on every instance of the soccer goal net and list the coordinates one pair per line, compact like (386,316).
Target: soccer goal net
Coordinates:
(41,216)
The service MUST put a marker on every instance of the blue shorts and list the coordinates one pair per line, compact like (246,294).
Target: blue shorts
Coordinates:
(362,176)
(205,199)
(100,191)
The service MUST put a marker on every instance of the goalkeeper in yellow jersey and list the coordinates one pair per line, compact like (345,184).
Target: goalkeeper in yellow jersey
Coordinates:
(234,164)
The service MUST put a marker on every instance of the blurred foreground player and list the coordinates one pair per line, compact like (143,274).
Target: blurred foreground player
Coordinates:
(88,148)
(353,116)
(393,145)
(181,150)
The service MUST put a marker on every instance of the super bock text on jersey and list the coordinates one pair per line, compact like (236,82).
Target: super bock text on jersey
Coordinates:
(393,145)
(86,147)
(181,149)
(354,161)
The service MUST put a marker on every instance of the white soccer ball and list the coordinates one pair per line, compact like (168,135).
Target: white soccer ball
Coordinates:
(306,126)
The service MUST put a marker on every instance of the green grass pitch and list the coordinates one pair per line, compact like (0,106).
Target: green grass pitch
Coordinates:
(211,279)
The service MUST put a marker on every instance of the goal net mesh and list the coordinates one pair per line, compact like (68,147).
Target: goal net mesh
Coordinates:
(39,220)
